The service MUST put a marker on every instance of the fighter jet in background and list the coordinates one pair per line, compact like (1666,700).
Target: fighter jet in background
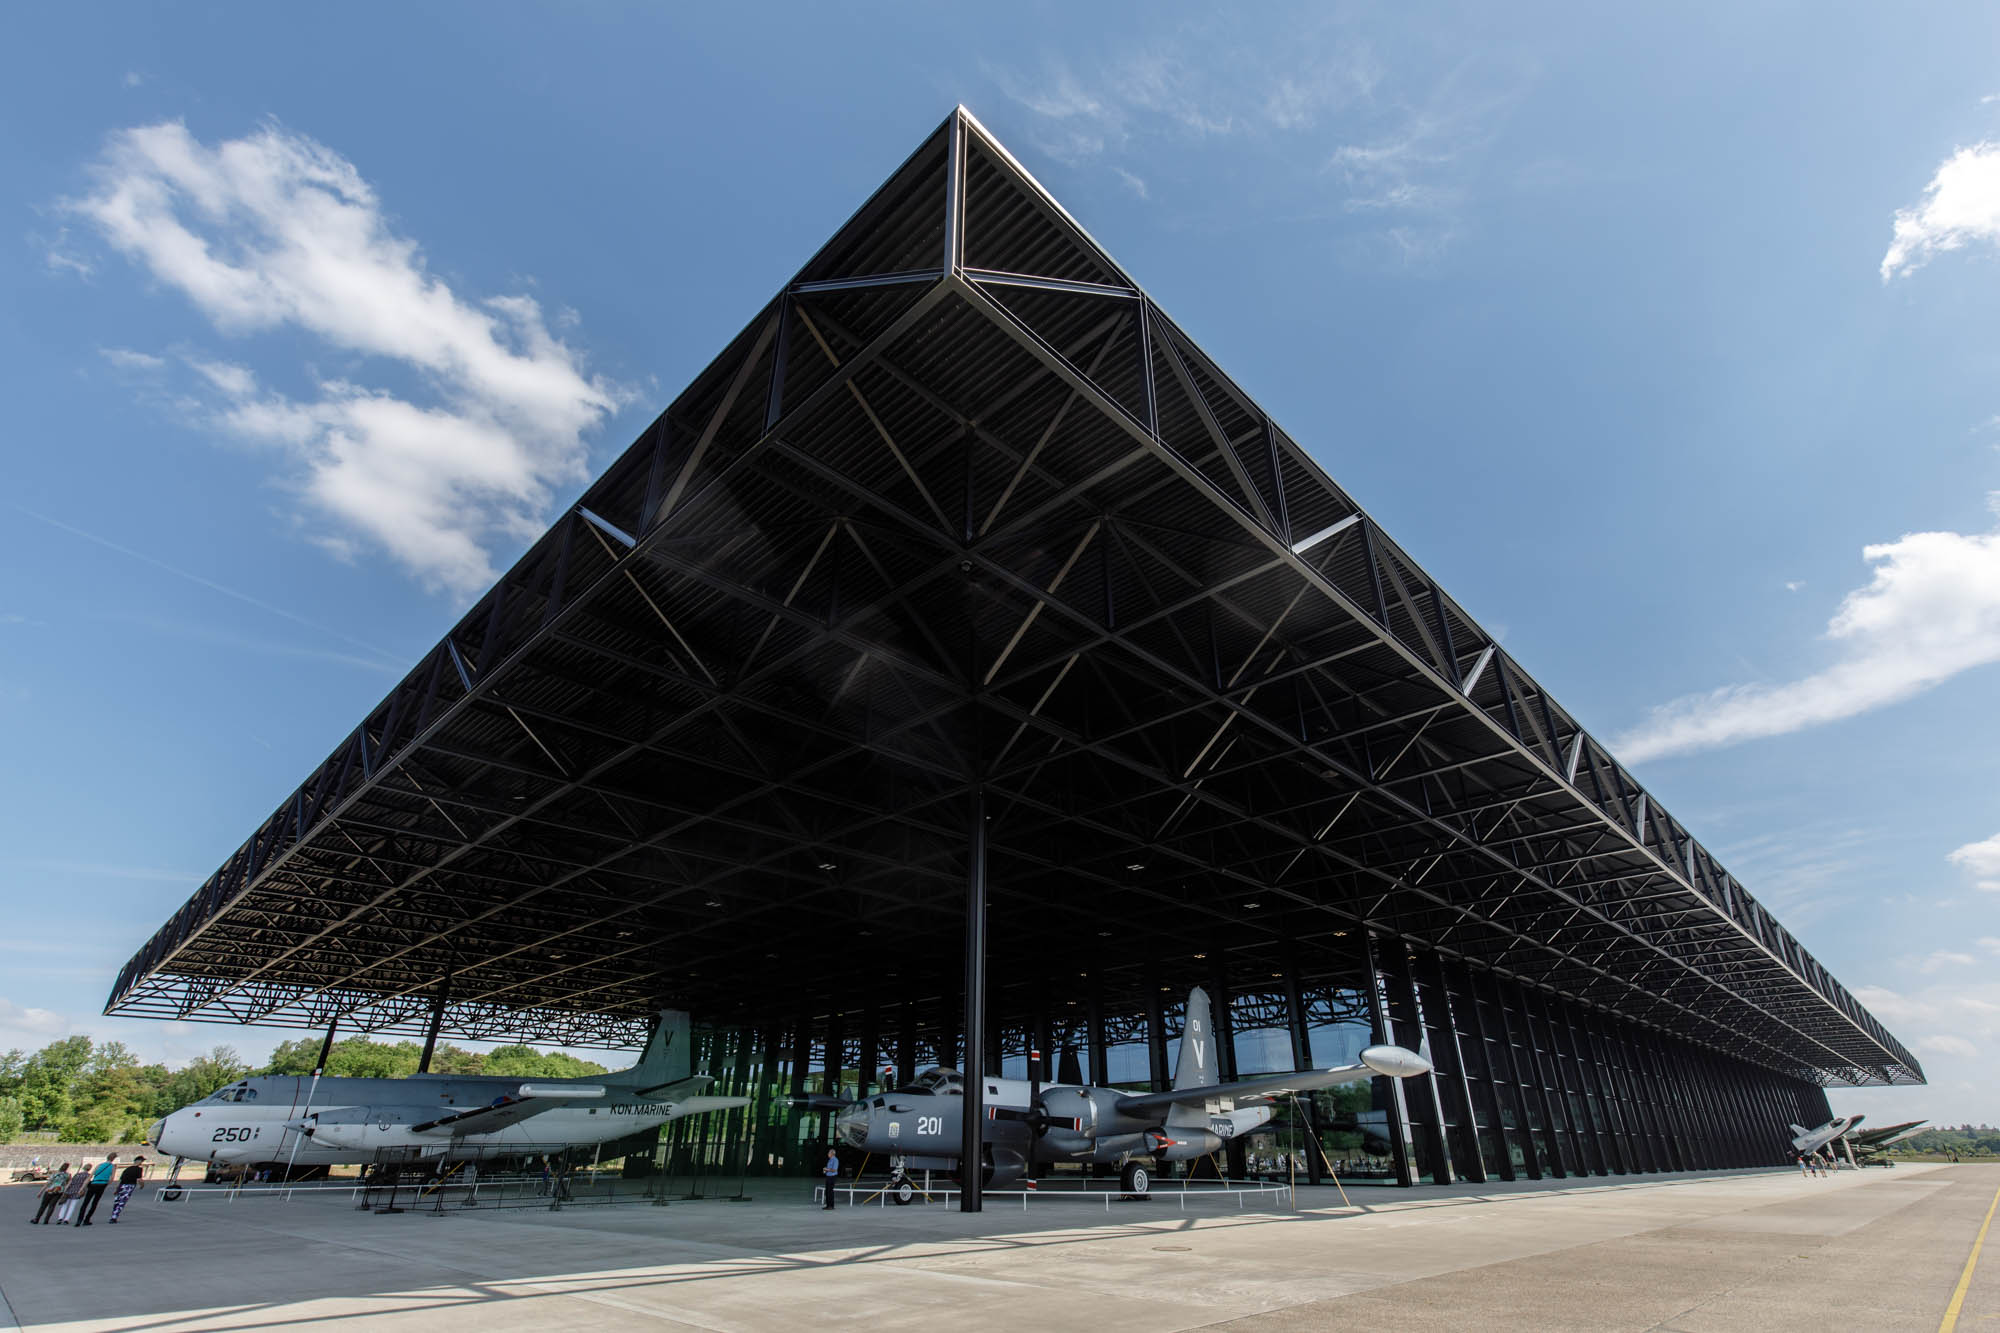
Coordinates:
(1810,1141)
(1030,1124)
(279,1122)
(1865,1145)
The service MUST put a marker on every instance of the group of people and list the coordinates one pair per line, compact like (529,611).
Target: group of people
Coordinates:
(72,1196)
(1816,1164)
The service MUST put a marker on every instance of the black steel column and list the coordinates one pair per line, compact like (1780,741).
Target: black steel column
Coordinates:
(437,1021)
(870,1054)
(1433,1134)
(1399,1111)
(972,1134)
(1533,1152)
(1156,1034)
(1561,1151)
(1225,1054)
(1493,1077)
(326,1046)
(1099,1072)
(1302,1058)
(906,1047)
(1474,1163)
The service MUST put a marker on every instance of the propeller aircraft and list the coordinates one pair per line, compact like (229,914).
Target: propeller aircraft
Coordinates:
(1030,1124)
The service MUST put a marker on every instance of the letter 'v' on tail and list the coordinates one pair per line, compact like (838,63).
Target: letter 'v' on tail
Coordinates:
(668,1057)
(1196,1065)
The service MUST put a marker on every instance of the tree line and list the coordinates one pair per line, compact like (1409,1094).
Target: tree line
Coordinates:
(99,1092)
(1965,1140)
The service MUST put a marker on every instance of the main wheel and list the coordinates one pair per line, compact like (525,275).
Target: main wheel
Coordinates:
(903,1192)
(1134,1179)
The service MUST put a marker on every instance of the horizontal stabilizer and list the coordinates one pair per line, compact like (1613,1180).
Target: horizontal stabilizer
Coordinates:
(1393,1061)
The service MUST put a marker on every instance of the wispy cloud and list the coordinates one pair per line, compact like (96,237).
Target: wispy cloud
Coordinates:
(1376,150)
(1931,611)
(276,232)
(1982,860)
(247,643)
(126,359)
(101,870)
(1946,1044)
(222,588)
(1961,204)
(1939,959)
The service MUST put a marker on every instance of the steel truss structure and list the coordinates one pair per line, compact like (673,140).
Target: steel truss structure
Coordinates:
(963,520)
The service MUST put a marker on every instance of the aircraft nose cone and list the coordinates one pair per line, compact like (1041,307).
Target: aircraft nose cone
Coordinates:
(1395,1061)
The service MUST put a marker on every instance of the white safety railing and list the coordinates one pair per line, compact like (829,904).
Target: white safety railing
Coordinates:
(878,1193)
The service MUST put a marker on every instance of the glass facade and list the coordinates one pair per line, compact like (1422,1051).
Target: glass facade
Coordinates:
(1525,1084)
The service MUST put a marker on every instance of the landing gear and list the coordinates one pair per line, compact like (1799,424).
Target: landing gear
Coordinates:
(1135,1179)
(902,1191)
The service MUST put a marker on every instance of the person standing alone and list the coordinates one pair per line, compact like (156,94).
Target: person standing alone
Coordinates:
(93,1193)
(832,1173)
(128,1180)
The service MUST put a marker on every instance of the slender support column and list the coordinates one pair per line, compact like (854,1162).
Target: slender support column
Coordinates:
(1156,1033)
(1099,1073)
(437,1021)
(1472,1158)
(1224,1024)
(1399,1111)
(1533,1146)
(906,1047)
(1302,1058)
(972,1136)
(326,1047)
(867,1071)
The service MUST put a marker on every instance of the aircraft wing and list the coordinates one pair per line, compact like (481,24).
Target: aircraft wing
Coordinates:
(530,1099)
(1876,1138)
(1390,1060)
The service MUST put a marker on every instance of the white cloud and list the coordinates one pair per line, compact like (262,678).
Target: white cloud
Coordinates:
(1945,1044)
(1379,159)
(1990,943)
(1948,1022)
(1961,204)
(1983,860)
(126,359)
(1931,611)
(1794,585)
(133,78)
(1943,958)
(277,232)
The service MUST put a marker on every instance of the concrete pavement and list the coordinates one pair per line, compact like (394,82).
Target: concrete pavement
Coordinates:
(1877,1249)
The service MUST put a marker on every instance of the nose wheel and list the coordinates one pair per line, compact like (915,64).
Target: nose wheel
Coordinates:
(901,1192)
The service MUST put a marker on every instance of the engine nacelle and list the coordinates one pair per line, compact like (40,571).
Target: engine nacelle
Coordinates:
(1073,1109)
(1184,1145)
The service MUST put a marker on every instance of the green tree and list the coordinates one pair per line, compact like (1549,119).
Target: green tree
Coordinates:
(11,1119)
(11,1064)
(527,1062)
(47,1080)
(359,1057)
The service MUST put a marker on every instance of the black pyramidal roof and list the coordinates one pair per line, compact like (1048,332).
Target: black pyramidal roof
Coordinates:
(961,506)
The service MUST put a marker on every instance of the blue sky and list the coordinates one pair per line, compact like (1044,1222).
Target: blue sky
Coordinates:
(1666,341)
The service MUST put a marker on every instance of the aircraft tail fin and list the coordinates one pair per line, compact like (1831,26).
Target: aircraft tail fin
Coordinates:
(1798,1131)
(1196,1066)
(669,1053)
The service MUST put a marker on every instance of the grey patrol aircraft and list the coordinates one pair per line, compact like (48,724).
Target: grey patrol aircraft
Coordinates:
(281,1121)
(1029,1124)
